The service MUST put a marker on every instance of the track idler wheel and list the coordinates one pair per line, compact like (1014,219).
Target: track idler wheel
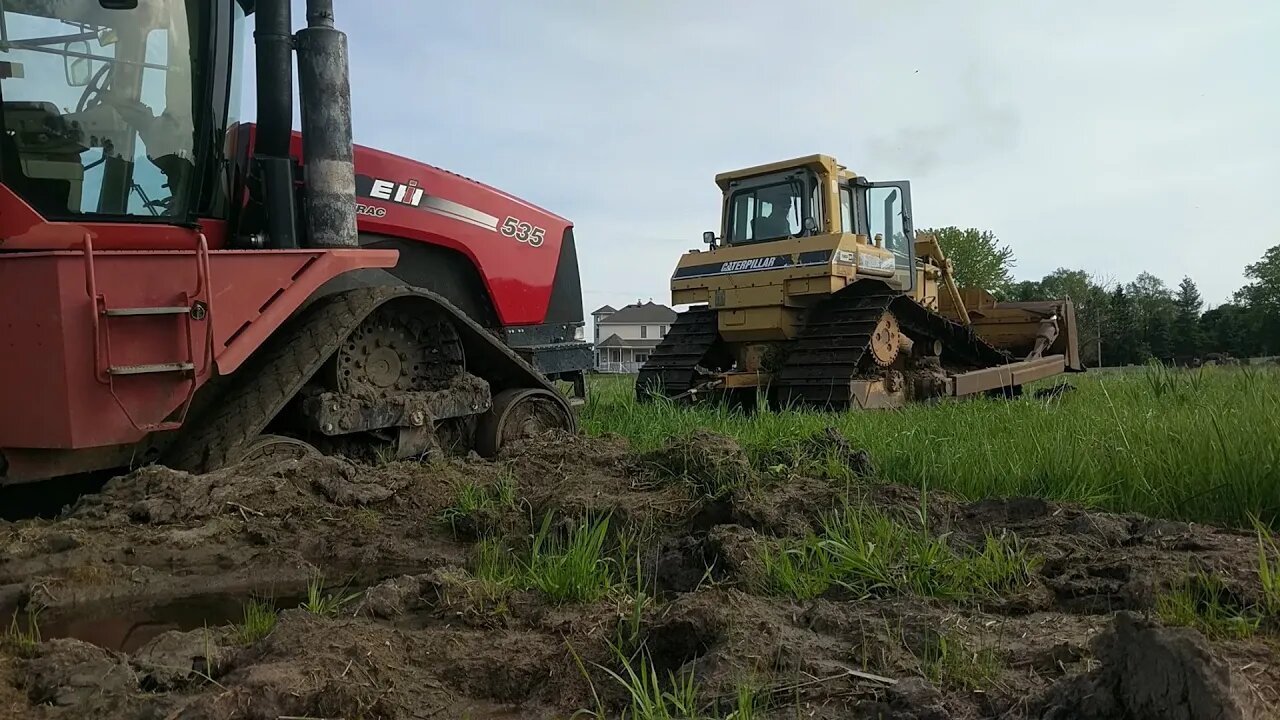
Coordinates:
(518,414)
(270,448)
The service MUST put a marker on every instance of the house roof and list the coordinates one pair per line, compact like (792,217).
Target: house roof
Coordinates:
(613,341)
(637,313)
(604,309)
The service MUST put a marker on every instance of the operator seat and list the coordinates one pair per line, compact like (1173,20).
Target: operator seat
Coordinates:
(48,196)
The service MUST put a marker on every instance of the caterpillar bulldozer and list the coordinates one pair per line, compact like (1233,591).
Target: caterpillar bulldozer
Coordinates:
(179,285)
(819,293)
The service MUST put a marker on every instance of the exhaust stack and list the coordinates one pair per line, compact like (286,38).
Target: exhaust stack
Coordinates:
(273,39)
(328,158)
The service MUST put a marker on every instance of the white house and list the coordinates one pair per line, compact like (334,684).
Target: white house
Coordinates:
(624,338)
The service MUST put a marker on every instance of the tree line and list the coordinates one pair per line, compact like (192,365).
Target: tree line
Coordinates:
(1138,321)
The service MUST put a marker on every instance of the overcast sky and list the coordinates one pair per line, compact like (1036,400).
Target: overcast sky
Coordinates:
(1111,136)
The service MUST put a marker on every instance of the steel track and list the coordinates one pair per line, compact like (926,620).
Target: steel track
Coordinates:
(252,397)
(832,348)
(670,369)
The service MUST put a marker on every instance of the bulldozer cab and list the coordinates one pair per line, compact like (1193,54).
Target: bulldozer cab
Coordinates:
(813,197)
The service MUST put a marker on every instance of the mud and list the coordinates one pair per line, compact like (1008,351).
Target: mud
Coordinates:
(136,590)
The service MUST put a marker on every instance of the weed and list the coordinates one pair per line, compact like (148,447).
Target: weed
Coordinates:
(494,563)
(476,507)
(633,605)
(572,569)
(649,699)
(1268,570)
(1003,566)
(385,454)
(258,622)
(324,604)
(367,518)
(870,553)
(706,463)
(802,571)
(1203,602)
(746,703)
(566,567)
(1169,384)
(22,637)
(946,660)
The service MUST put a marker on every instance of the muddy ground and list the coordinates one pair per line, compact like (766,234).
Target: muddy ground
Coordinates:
(139,588)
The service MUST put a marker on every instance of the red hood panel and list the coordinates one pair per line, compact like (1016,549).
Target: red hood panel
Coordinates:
(515,245)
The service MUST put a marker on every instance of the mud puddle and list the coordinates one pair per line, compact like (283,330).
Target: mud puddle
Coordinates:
(141,591)
(128,627)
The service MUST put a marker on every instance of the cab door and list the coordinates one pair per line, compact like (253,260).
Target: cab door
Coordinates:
(887,212)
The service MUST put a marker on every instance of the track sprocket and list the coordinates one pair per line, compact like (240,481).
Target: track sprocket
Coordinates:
(395,352)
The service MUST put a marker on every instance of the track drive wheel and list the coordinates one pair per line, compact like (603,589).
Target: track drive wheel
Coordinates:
(269,447)
(885,340)
(519,413)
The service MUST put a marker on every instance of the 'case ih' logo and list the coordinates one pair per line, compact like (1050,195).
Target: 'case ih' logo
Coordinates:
(377,189)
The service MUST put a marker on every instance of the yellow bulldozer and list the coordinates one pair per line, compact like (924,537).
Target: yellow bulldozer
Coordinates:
(819,293)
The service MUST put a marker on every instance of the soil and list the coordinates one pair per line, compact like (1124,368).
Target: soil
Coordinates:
(138,589)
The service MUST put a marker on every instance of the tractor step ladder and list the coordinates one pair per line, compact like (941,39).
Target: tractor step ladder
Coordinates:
(195,307)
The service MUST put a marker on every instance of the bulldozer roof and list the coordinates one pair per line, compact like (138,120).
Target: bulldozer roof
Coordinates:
(817,162)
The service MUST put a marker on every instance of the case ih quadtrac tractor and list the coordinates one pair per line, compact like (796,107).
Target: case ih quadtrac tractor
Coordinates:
(176,285)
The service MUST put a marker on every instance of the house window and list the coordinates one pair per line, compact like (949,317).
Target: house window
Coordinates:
(642,358)
(663,331)
(644,331)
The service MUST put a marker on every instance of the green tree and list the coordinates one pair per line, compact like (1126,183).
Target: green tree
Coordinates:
(1262,300)
(977,257)
(1228,329)
(1188,341)
(1123,343)
(1154,309)
(1264,292)
(1026,291)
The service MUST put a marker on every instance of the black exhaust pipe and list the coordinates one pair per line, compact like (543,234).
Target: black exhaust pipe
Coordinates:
(273,40)
(328,158)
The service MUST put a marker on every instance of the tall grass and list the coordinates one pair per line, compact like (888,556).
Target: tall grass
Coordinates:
(1200,445)
(870,553)
(567,566)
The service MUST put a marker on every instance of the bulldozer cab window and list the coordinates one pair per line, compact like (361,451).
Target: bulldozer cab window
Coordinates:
(846,210)
(770,209)
(100,106)
(888,214)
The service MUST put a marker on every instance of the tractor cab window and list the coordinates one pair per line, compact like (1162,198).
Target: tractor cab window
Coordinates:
(99,106)
(772,208)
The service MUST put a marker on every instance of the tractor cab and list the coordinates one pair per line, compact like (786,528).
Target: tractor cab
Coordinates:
(113,110)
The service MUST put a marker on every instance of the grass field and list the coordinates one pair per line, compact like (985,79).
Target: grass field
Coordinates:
(1200,445)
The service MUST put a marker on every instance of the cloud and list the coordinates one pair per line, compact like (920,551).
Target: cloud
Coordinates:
(1112,138)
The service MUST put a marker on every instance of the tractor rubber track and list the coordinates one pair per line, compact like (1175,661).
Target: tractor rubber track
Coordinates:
(274,375)
(671,367)
(831,347)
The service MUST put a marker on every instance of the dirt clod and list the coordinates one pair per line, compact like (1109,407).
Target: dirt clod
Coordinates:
(714,465)
(1149,672)
(75,674)
(177,659)
(140,587)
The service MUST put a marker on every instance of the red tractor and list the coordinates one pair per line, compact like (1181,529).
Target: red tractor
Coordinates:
(178,286)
